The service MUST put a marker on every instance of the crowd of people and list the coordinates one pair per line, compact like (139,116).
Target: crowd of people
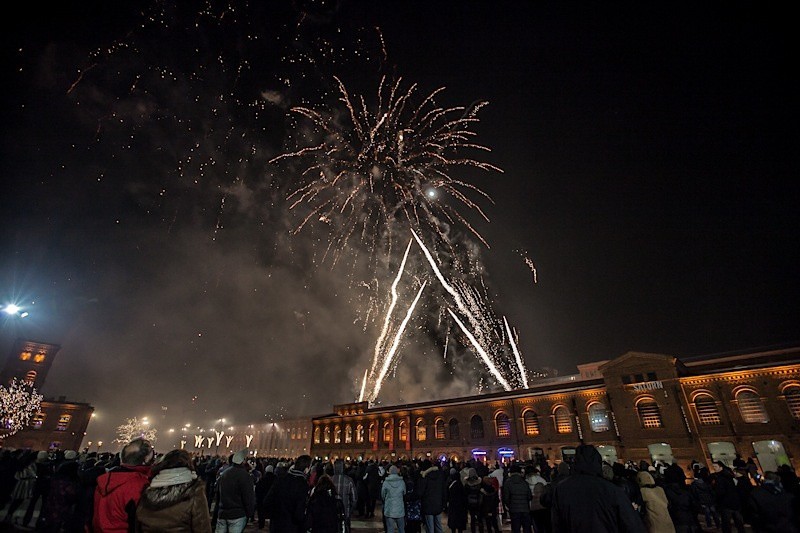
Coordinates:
(138,490)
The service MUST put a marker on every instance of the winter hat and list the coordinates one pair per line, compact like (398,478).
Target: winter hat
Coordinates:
(239,457)
(41,456)
(393,470)
(269,469)
(472,474)
(70,455)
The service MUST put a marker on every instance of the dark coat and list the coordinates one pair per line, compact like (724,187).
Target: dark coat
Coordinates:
(324,513)
(771,509)
(586,502)
(725,491)
(262,489)
(433,491)
(174,509)
(237,495)
(517,494)
(683,506)
(456,505)
(286,503)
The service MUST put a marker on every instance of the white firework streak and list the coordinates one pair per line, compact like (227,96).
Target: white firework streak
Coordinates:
(522,372)
(486,360)
(363,384)
(379,344)
(390,356)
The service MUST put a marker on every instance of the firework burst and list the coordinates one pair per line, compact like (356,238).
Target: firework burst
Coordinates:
(376,170)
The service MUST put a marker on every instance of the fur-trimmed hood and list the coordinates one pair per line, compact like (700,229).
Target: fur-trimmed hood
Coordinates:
(163,497)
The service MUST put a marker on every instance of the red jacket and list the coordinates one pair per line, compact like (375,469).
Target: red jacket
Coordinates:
(116,497)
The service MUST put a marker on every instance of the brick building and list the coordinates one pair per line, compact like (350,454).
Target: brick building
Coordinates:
(639,406)
(59,424)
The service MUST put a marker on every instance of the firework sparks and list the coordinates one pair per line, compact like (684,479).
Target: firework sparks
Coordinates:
(484,356)
(517,357)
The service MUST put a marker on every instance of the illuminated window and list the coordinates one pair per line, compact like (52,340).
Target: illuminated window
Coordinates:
(38,420)
(598,417)
(30,377)
(360,433)
(348,434)
(455,433)
(38,358)
(503,425)
(372,433)
(63,422)
(476,427)
(751,407)
(25,356)
(337,435)
(792,395)
(440,431)
(562,419)
(649,413)
(387,431)
(707,412)
(422,432)
(531,423)
(402,431)
(327,434)
(316,435)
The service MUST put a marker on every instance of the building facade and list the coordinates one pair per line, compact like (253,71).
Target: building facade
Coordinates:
(639,406)
(59,424)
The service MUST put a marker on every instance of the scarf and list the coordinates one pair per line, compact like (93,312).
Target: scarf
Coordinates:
(173,476)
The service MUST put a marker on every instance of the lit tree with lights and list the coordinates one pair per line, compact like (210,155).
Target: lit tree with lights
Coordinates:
(133,428)
(18,402)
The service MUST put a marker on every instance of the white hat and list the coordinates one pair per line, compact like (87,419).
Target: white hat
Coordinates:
(70,454)
(239,457)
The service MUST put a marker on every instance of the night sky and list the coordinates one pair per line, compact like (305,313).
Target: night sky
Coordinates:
(650,173)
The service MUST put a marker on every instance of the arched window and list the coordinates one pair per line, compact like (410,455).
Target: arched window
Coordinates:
(30,377)
(562,419)
(402,431)
(792,395)
(422,433)
(707,412)
(63,422)
(455,433)
(531,423)
(387,431)
(348,434)
(327,434)
(751,407)
(372,436)
(316,435)
(649,413)
(360,433)
(440,433)
(38,358)
(38,420)
(476,427)
(598,417)
(337,434)
(503,425)
(25,356)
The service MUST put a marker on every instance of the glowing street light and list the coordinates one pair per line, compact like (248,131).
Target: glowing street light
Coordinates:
(11,309)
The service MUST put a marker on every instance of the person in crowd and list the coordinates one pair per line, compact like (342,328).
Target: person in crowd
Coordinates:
(41,487)
(63,495)
(345,491)
(118,490)
(91,469)
(286,499)
(656,517)
(540,516)
(490,502)
(456,503)
(175,501)
(413,502)
(393,494)
(236,496)
(683,506)
(772,508)
(744,486)
(324,511)
(372,485)
(517,499)
(472,488)
(25,478)
(262,489)
(726,497)
(704,494)
(433,493)
(584,501)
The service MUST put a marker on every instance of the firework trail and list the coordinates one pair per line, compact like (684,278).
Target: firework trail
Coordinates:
(363,386)
(390,355)
(484,356)
(517,357)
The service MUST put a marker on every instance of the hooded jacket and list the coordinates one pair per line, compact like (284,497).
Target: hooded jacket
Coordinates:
(116,497)
(587,502)
(174,508)
(656,505)
(433,491)
(237,495)
(392,492)
(517,494)
(286,502)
